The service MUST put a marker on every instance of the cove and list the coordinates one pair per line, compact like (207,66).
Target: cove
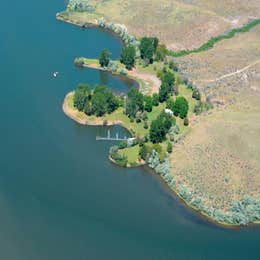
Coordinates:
(60,197)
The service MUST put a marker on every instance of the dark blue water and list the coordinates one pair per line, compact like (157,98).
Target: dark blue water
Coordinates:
(60,198)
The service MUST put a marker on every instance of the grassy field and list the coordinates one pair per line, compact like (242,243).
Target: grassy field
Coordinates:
(228,56)
(171,20)
(219,161)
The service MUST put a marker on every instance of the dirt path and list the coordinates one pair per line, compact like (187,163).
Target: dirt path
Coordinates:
(233,73)
(150,78)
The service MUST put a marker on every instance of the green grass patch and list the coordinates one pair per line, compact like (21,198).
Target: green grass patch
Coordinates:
(132,154)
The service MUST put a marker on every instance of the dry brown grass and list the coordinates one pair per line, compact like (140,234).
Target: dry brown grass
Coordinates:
(220,159)
(180,24)
(226,57)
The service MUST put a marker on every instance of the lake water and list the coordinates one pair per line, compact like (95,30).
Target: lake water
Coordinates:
(60,197)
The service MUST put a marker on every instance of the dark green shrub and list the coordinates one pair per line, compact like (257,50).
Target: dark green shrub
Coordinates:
(186,121)
(169,147)
(122,145)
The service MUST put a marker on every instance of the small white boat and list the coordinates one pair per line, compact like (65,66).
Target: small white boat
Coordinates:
(55,74)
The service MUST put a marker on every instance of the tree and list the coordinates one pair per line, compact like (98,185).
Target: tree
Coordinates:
(196,94)
(127,56)
(160,127)
(186,121)
(170,104)
(148,103)
(155,43)
(181,107)
(169,147)
(155,99)
(157,132)
(82,95)
(104,58)
(163,92)
(161,53)
(146,124)
(144,152)
(112,102)
(99,104)
(166,120)
(88,110)
(168,78)
(122,145)
(147,49)
(134,102)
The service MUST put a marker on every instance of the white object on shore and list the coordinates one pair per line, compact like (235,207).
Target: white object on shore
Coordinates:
(55,74)
(168,111)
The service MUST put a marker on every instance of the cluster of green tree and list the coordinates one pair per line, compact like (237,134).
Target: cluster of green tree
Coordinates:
(148,47)
(127,56)
(160,127)
(151,50)
(147,149)
(134,102)
(97,102)
(179,107)
(167,88)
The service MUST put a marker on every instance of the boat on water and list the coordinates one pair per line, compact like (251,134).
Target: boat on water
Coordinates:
(55,74)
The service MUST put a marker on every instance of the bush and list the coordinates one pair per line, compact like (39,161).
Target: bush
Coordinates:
(186,121)
(173,66)
(80,6)
(138,117)
(169,147)
(155,100)
(161,53)
(170,104)
(112,66)
(144,116)
(122,145)
(146,124)
(148,106)
(121,160)
(153,160)
(145,152)
(177,129)
(196,94)
(79,62)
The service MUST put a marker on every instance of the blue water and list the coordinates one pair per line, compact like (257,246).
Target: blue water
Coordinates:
(60,198)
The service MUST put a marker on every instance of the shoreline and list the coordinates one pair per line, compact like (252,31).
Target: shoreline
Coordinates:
(174,191)
(89,24)
(72,114)
(141,79)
